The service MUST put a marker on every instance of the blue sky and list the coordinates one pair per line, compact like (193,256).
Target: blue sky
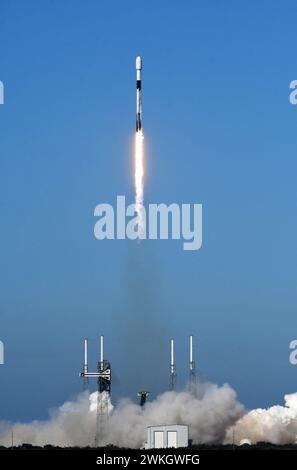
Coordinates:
(219,130)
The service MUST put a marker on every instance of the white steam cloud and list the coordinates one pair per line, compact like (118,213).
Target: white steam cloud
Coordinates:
(208,413)
(277,424)
(212,413)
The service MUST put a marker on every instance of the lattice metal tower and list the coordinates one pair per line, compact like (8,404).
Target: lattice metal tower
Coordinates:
(103,376)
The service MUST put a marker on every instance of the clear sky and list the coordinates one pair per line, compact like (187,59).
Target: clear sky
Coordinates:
(219,130)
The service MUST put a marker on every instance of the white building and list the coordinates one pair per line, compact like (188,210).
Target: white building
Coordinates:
(174,435)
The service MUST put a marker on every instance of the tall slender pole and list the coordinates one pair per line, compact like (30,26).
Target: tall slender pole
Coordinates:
(192,372)
(86,356)
(172,380)
(103,396)
(86,380)
(171,355)
(101,352)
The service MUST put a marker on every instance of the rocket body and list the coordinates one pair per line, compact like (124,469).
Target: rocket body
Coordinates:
(138,94)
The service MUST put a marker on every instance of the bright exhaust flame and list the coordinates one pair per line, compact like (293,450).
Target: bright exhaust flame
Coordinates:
(138,179)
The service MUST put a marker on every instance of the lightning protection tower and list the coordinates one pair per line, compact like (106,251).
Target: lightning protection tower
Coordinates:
(103,376)
(172,376)
(192,369)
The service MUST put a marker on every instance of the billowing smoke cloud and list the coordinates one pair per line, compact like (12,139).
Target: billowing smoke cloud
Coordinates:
(72,423)
(212,413)
(209,413)
(277,424)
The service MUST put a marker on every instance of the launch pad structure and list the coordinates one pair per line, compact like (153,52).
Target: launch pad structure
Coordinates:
(103,376)
(143,395)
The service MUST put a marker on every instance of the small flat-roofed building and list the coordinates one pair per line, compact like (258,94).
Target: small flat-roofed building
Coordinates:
(173,435)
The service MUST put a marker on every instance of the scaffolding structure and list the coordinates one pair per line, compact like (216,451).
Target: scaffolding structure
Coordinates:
(103,376)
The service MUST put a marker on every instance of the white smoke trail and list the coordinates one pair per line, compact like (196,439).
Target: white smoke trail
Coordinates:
(208,415)
(138,179)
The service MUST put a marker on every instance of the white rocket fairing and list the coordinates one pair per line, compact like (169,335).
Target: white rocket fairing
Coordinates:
(138,94)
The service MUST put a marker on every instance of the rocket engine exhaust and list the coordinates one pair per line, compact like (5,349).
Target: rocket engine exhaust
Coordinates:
(138,158)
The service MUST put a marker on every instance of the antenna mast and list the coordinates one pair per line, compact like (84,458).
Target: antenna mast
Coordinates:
(172,377)
(103,376)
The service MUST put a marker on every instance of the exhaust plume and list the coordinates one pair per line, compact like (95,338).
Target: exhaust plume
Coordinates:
(277,424)
(213,414)
(138,181)
(208,413)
